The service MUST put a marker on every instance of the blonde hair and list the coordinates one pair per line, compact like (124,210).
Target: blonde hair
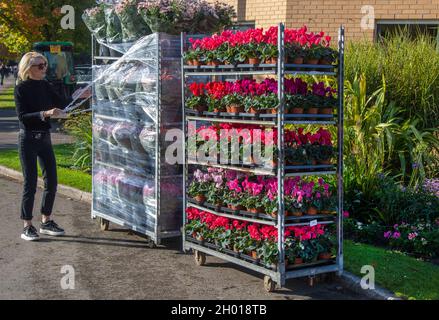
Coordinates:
(26,62)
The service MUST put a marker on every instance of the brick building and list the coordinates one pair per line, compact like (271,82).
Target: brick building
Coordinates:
(361,18)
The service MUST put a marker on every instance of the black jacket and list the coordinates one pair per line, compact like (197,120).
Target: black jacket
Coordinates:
(31,98)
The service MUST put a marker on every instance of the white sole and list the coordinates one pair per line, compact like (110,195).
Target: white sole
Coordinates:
(24,237)
(51,233)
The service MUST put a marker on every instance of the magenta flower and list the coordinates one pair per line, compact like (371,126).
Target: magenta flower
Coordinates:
(346,214)
(412,235)
(387,234)
(396,235)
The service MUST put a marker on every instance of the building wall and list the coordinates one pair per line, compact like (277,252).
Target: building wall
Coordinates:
(328,15)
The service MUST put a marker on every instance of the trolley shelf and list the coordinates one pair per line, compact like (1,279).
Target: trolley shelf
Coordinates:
(259,69)
(262,218)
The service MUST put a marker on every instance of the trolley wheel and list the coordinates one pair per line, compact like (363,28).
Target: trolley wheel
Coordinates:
(269,284)
(104,224)
(200,258)
(151,244)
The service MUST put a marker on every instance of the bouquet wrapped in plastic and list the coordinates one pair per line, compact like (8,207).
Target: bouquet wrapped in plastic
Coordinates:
(94,19)
(133,27)
(114,28)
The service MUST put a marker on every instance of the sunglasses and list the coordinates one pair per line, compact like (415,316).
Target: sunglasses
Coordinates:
(40,66)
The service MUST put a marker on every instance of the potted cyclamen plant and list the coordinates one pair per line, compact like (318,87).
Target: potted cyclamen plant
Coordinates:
(311,104)
(325,154)
(269,54)
(251,52)
(199,186)
(296,252)
(313,204)
(268,254)
(294,103)
(324,246)
(233,102)
(329,204)
(294,206)
(296,155)
(198,99)
(295,53)
(313,54)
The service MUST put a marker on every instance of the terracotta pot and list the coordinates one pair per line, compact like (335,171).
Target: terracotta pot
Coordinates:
(274,60)
(296,111)
(271,111)
(325,212)
(312,61)
(326,111)
(234,108)
(325,256)
(327,162)
(200,198)
(273,214)
(254,61)
(313,162)
(190,62)
(217,110)
(294,163)
(194,235)
(312,211)
(286,59)
(325,62)
(298,261)
(298,60)
(213,63)
(254,255)
(297,213)
(254,210)
(196,63)
(201,108)
(312,110)
(254,111)
(231,206)
(200,238)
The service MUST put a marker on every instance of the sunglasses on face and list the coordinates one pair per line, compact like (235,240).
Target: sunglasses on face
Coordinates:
(40,66)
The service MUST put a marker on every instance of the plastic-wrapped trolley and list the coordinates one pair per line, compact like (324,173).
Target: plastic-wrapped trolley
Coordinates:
(136,101)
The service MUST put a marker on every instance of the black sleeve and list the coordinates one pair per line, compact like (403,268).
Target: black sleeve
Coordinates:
(22,108)
(59,101)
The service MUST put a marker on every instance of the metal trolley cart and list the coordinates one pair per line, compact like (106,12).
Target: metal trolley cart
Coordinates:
(136,102)
(279,274)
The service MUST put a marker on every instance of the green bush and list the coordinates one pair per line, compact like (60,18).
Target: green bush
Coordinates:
(80,127)
(410,67)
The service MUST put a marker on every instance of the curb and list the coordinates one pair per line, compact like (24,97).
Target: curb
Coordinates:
(70,192)
(354,283)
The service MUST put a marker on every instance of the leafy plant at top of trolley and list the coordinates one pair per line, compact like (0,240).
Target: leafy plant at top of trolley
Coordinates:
(114,28)
(94,19)
(80,127)
(132,24)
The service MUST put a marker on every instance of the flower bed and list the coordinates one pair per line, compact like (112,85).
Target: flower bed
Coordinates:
(258,194)
(256,46)
(253,97)
(302,244)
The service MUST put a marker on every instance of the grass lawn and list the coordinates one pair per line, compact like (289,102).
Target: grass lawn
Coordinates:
(404,275)
(66,176)
(7,98)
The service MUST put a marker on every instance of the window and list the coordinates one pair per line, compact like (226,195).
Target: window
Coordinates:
(414,28)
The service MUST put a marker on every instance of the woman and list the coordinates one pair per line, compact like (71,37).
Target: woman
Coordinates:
(36,102)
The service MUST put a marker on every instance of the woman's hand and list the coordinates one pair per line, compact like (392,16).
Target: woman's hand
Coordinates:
(84,95)
(55,112)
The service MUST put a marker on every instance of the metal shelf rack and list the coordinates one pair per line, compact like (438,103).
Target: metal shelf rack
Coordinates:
(280,274)
(159,217)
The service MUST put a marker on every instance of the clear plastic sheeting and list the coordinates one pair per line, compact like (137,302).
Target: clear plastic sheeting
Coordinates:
(136,100)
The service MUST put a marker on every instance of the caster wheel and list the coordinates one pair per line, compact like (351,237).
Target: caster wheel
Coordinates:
(200,258)
(269,284)
(150,244)
(104,224)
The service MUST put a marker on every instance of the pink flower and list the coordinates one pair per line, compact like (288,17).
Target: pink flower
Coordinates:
(396,235)
(346,214)
(412,235)
(387,234)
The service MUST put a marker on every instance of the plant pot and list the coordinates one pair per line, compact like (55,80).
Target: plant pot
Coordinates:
(254,61)
(312,61)
(298,60)
(313,162)
(196,63)
(325,256)
(273,214)
(297,213)
(271,111)
(313,110)
(234,108)
(213,63)
(200,198)
(254,255)
(190,62)
(217,110)
(295,163)
(325,62)
(298,261)
(201,108)
(325,211)
(296,111)
(312,211)
(238,207)
(327,162)
(254,210)
(254,111)
(326,111)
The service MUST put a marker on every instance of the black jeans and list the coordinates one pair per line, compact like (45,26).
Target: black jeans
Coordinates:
(35,145)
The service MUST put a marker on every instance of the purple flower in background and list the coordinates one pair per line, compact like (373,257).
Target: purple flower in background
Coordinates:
(396,235)
(412,235)
(387,234)
(415,165)
(432,185)
(395,226)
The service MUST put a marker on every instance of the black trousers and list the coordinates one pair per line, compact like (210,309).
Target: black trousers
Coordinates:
(35,146)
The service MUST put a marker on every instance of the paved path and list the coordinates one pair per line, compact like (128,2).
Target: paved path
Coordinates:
(118,265)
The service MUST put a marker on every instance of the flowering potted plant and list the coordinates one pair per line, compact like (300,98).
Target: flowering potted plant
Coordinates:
(198,99)
(309,252)
(252,198)
(193,57)
(114,28)
(269,53)
(268,252)
(294,103)
(160,15)
(296,155)
(324,246)
(94,19)
(234,194)
(295,251)
(294,205)
(132,24)
(233,102)
(199,186)
(295,53)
